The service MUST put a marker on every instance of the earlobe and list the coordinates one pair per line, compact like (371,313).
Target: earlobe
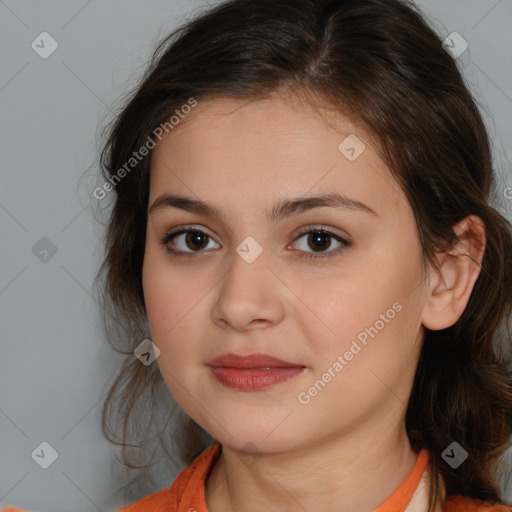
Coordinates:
(452,282)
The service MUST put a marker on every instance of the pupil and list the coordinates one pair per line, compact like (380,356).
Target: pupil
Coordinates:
(195,235)
(318,238)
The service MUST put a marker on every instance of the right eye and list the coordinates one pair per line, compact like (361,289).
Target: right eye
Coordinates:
(194,238)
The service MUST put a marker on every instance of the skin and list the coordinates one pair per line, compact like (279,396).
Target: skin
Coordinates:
(347,449)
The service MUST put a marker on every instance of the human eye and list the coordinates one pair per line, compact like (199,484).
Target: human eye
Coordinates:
(320,238)
(195,238)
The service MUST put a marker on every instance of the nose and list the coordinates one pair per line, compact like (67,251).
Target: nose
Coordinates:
(250,295)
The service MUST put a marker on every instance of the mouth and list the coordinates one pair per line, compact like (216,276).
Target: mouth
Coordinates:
(253,372)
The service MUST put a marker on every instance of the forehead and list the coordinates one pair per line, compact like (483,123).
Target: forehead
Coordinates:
(255,151)
(270,121)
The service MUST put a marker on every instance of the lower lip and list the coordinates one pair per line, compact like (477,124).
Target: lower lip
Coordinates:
(253,379)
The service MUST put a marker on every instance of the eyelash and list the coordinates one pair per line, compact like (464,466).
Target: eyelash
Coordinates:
(312,256)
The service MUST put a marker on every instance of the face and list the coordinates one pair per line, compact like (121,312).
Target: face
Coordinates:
(333,288)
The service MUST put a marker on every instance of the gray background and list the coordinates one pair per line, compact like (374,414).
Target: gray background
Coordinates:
(56,365)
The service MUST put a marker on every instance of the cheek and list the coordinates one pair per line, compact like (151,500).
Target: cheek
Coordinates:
(157,298)
(175,312)
(171,323)
(334,309)
(165,299)
(372,304)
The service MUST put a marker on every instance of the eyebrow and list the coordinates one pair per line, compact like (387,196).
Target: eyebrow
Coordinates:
(278,211)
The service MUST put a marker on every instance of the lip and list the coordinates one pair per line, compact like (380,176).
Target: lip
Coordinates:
(253,372)
(250,361)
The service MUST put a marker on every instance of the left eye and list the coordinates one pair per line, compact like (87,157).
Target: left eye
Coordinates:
(319,239)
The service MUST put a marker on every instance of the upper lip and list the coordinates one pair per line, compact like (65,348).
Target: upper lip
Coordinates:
(250,361)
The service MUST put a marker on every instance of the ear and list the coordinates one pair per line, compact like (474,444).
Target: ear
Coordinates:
(450,286)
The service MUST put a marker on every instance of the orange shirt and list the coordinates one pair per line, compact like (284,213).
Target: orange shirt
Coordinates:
(186,494)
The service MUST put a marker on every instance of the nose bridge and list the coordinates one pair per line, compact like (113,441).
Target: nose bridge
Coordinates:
(249,264)
(247,291)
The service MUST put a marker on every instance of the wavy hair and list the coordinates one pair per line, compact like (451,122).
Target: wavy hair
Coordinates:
(381,64)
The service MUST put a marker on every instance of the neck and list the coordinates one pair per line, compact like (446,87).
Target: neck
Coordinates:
(356,472)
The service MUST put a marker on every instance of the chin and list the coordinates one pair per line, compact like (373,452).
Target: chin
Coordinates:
(253,438)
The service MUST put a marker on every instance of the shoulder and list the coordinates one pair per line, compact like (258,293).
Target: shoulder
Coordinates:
(156,502)
(465,504)
(187,487)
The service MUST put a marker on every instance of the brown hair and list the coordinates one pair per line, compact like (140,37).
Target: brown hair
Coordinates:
(379,63)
